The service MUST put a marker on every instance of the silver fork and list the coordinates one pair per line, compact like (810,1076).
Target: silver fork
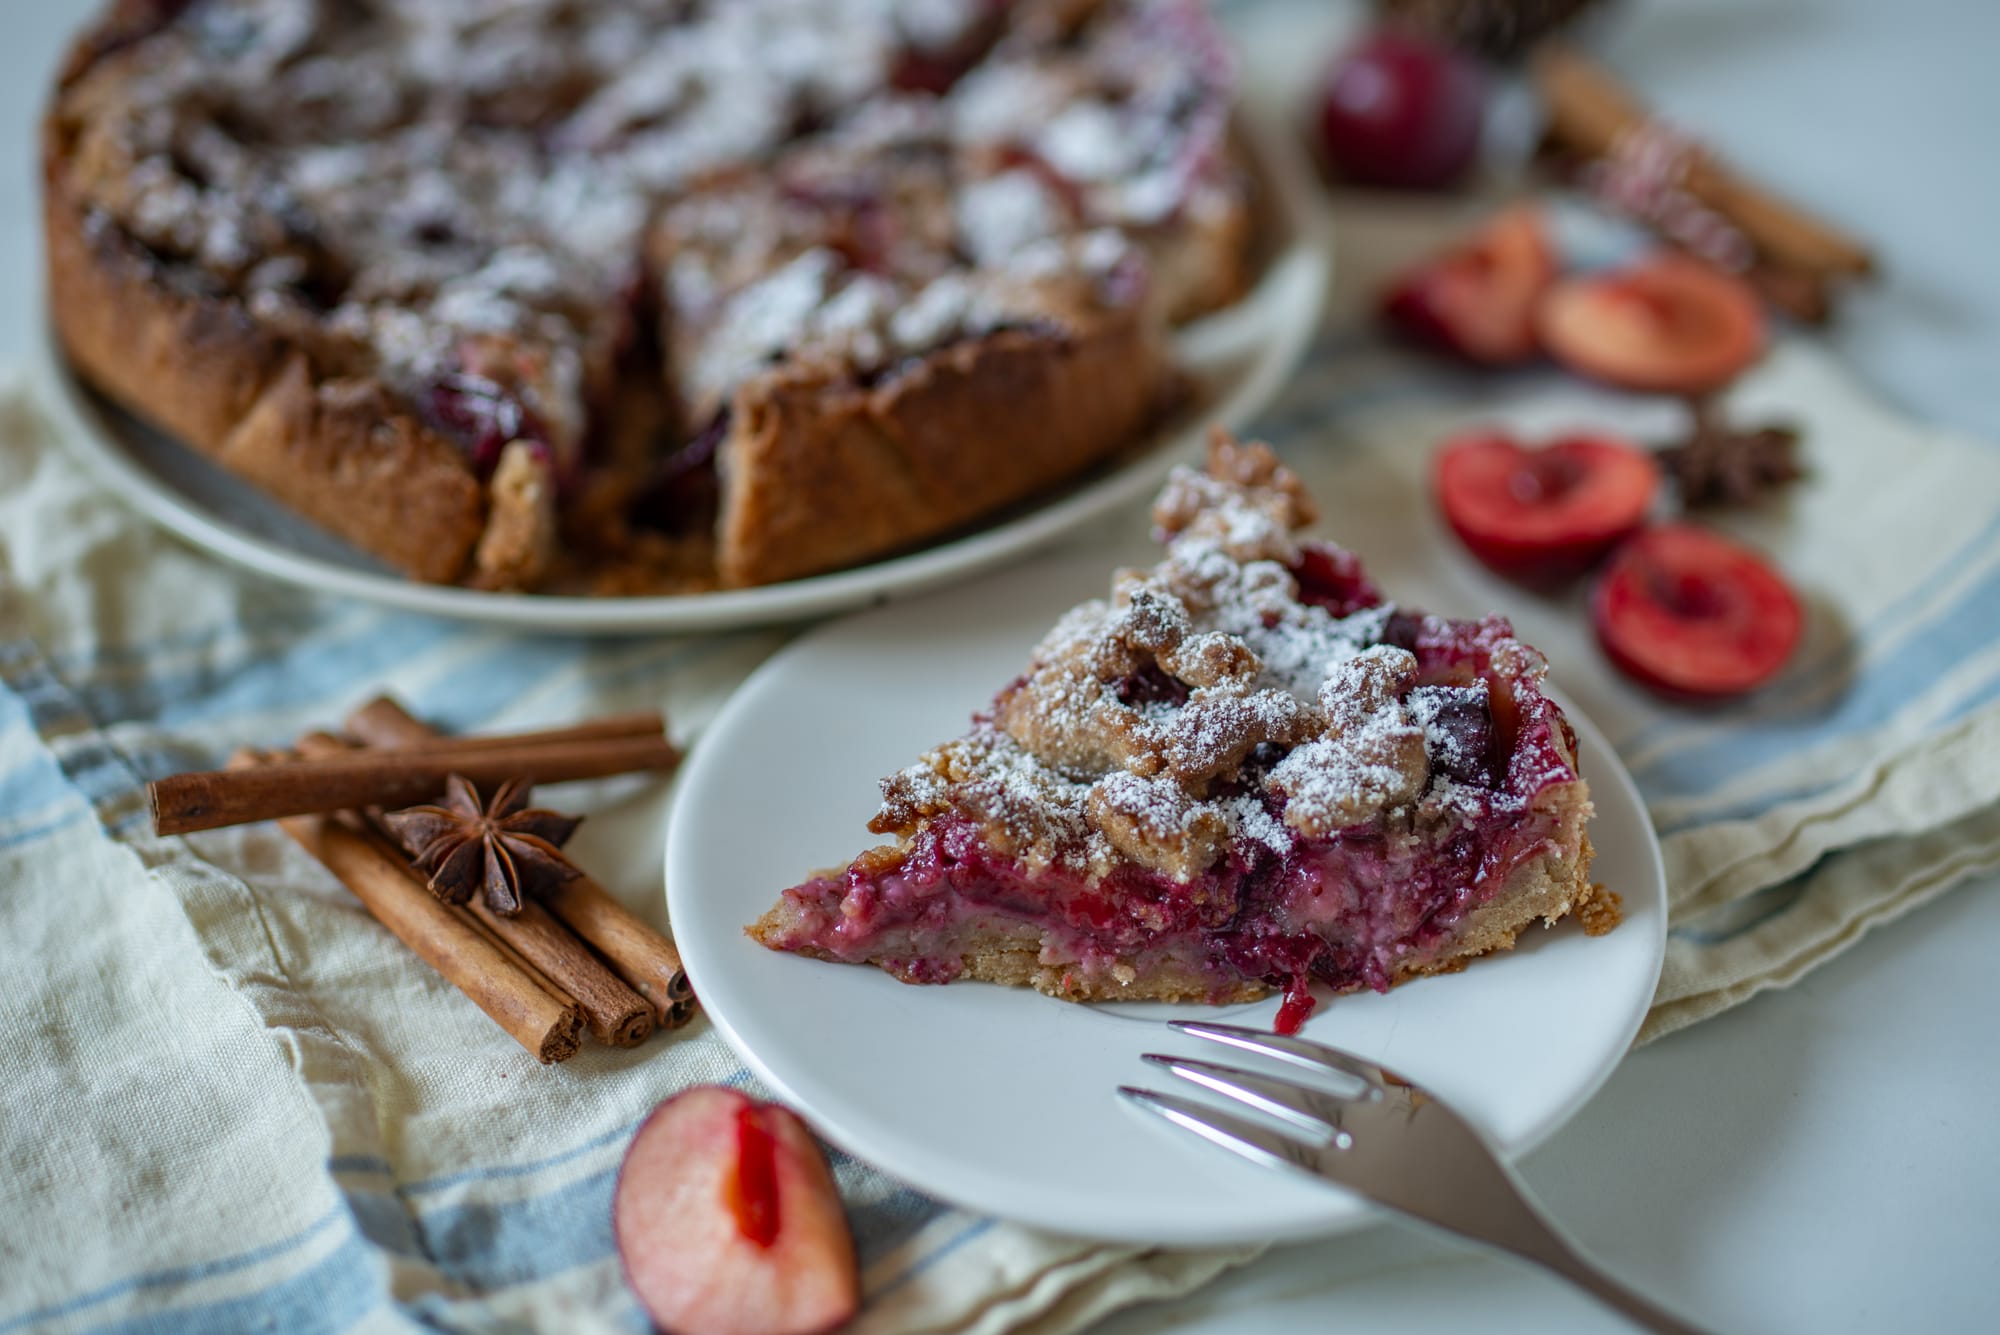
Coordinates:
(1390,1142)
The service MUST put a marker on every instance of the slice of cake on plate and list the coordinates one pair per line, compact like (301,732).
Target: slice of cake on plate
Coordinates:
(1244,771)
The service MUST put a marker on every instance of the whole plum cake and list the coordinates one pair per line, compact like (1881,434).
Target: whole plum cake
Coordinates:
(636,295)
(1243,771)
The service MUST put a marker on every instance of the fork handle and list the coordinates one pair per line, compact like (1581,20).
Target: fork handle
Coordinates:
(1556,1255)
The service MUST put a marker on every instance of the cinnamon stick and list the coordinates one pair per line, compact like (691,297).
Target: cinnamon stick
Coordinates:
(646,960)
(541,948)
(212,799)
(376,724)
(616,1014)
(548,1027)
(1590,112)
(486,934)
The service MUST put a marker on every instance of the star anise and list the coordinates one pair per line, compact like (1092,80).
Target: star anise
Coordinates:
(502,848)
(1720,464)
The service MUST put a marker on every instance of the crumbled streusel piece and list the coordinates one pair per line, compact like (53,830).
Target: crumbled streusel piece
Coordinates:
(1370,757)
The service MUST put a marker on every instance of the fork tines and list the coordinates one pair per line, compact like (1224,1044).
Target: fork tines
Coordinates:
(1283,1047)
(1320,1113)
(1252,1140)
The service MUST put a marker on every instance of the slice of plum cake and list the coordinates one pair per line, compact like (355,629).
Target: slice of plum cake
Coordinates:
(1244,771)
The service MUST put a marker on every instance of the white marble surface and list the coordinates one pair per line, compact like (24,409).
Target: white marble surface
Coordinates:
(1819,1160)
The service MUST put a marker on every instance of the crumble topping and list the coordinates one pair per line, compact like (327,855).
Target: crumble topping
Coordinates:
(1369,757)
(1003,215)
(1208,702)
(1601,911)
(1132,132)
(818,308)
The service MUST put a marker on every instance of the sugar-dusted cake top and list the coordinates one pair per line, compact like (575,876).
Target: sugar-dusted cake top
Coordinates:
(424,189)
(1252,686)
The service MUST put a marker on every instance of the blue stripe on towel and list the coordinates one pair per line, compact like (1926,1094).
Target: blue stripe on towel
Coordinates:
(976,1227)
(34,833)
(1745,915)
(489,1245)
(50,706)
(502,1172)
(264,678)
(386,1223)
(331,1296)
(177,1276)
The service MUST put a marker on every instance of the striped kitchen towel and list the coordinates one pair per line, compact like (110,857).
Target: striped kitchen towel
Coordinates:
(229,1100)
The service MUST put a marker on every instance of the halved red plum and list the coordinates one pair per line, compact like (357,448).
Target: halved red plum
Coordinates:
(1547,512)
(728,1223)
(1669,326)
(1691,613)
(1478,299)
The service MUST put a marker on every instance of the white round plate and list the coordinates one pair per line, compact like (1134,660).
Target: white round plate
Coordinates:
(1241,357)
(999,1099)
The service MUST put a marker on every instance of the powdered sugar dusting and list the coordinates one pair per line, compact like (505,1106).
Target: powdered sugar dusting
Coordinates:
(1251,819)
(1002,215)
(819,310)
(1370,757)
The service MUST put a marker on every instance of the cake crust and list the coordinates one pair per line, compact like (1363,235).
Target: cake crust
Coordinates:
(342,452)
(827,472)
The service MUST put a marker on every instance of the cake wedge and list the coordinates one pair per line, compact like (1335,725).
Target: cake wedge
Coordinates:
(1243,771)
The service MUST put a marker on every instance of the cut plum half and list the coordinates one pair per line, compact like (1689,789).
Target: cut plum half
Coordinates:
(1477,299)
(1543,513)
(728,1222)
(1669,326)
(1690,613)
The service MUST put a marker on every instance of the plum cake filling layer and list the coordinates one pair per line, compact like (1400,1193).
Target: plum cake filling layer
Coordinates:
(1243,771)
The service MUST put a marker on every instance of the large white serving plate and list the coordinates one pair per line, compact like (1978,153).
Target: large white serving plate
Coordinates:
(1240,358)
(999,1099)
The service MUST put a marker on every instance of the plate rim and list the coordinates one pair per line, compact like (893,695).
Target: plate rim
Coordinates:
(1346,1211)
(1271,328)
